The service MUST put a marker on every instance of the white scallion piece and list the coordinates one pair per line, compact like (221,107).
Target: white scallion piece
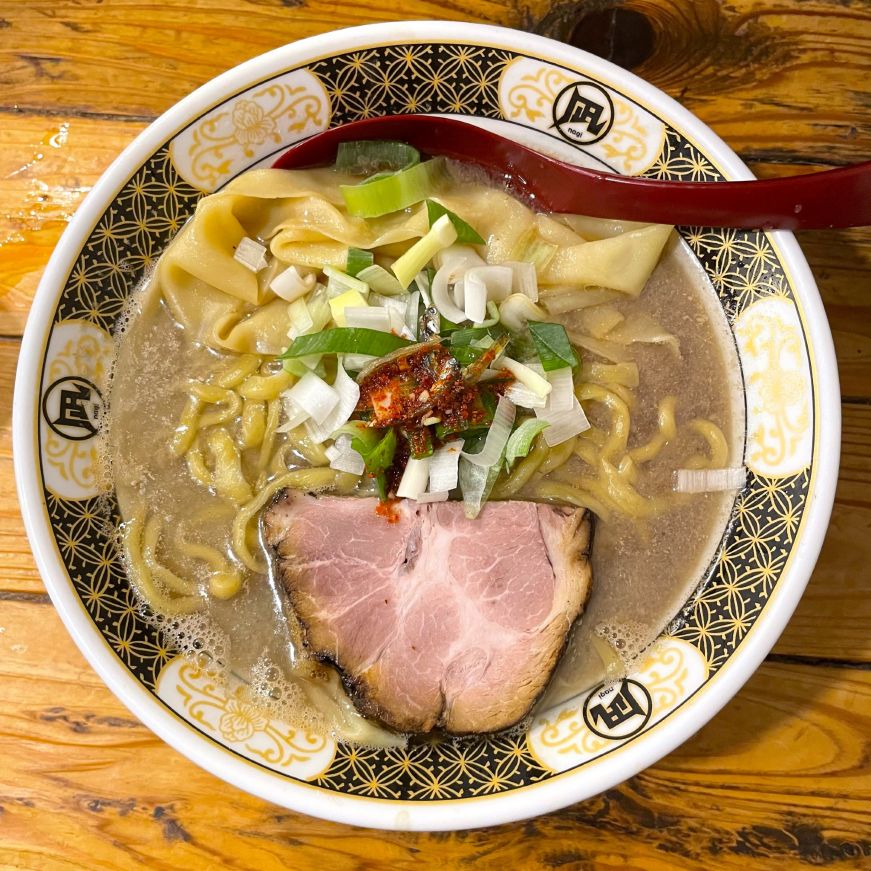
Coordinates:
(370,317)
(314,396)
(343,458)
(412,307)
(563,424)
(521,395)
(340,282)
(251,254)
(443,467)
(562,397)
(518,310)
(474,296)
(414,479)
(348,392)
(290,285)
(527,376)
(497,280)
(709,480)
(497,435)
(525,280)
(460,257)
(441,296)
(422,282)
(357,362)
(440,235)
(301,321)
(396,307)
(380,280)
(293,414)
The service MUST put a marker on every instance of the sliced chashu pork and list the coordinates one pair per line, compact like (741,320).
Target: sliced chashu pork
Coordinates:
(434,620)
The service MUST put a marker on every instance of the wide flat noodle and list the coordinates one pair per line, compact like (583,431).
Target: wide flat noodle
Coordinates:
(622,263)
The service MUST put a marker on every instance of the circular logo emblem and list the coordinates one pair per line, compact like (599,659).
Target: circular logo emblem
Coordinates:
(72,407)
(583,113)
(619,710)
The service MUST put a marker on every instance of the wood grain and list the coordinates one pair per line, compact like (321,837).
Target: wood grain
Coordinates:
(73,794)
(778,780)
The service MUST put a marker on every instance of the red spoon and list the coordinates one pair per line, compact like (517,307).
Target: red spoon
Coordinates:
(834,198)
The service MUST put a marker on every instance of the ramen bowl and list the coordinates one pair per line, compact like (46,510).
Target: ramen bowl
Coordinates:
(554,98)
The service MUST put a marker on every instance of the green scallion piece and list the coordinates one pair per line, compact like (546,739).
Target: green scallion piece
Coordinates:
(552,343)
(345,340)
(358,260)
(466,234)
(367,156)
(520,442)
(439,236)
(393,192)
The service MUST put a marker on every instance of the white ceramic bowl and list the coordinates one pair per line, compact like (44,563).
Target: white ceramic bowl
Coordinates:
(517,84)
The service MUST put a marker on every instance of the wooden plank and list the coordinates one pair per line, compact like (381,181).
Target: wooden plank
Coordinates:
(780,776)
(123,59)
(47,165)
(833,617)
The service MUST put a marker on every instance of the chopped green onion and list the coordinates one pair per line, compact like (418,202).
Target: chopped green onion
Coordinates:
(520,442)
(393,192)
(465,233)
(345,340)
(358,430)
(552,343)
(358,260)
(465,355)
(366,156)
(380,280)
(476,483)
(440,235)
(301,321)
(539,253)
(527,376)
(377,458)
(299,366)
(348,299)
(493,311)
(340,281)
(467,335)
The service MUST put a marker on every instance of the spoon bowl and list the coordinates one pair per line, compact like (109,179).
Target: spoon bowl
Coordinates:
(833,198)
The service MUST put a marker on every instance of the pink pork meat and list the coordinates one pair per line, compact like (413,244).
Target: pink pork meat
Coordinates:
(434,620)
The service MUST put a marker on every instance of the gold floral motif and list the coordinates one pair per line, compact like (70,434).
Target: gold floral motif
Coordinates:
(251,126)
(210,704)
(533,96)
(265,117)
(627,144)
(777,396)
(568,734)
(666,674)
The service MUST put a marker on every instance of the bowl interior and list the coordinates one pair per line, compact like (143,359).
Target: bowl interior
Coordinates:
(561,101)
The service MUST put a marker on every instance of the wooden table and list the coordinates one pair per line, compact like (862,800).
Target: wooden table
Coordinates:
(780,779)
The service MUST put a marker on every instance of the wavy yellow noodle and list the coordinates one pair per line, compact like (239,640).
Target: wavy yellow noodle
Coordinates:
(667,430)
(252,426)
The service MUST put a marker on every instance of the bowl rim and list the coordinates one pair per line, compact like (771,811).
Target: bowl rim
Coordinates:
(551,794)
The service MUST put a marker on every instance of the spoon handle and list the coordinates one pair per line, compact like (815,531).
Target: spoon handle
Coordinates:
(822,200)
